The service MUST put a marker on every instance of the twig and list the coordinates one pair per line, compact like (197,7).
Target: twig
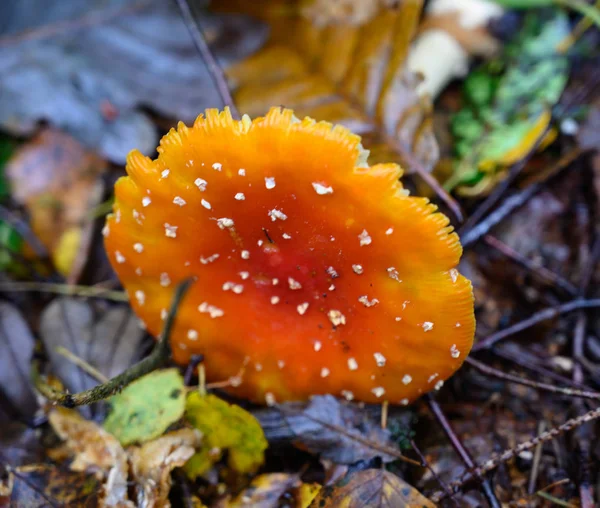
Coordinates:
(537,456)
(460,449)
(82,364)
(426,465)
(571,392)
(472,234)
(538,317)
(540,271)
(158,357)
(214,68)
(64,289)
(496,460)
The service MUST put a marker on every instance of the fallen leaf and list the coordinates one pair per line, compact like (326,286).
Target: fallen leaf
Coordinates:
(344,12)
(507,105)
(373,488)
(226,427)
(42,485)
(147,407)
(347,74)
(91,79)
(16,350)
(109,340)
(265,491)
(94,451)
(57,180)
(152,463)
(336,431)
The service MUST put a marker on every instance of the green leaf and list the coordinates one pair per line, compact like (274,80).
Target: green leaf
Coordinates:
(225,427)
(147,407)
(507,102)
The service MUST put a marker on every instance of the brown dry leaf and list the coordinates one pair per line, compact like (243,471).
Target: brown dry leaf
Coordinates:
(152,463)
(345,12)
(344,73)
(373,487)
(265,491)
(95,451)
(56,178)
(42,485)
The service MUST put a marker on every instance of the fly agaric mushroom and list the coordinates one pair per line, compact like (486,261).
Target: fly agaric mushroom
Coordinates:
(316,272)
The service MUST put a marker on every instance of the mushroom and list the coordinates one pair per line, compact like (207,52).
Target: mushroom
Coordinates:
(315,272)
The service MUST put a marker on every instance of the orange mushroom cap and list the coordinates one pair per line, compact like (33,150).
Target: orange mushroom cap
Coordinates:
(316,272)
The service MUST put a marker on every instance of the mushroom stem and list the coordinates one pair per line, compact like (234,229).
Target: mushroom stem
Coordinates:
(157,358)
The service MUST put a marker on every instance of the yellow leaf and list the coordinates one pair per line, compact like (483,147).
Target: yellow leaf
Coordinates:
(265,491)
(225,427)
(343,70)
(373,487)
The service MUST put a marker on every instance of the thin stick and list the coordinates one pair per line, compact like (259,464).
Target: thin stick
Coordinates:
(540,271)
(82,364)
(213,67)
(538,317)
(64,289)
(571,392)
(460,449)
(158,357)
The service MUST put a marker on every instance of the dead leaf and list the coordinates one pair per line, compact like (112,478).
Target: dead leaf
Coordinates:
(43,485)
(16,350)
(373,487)
(20,445)
(265,491)
(95,451)
(346,74)
(337,431)
(152,463)
(57,179)
(92,79)
(343,12)
(109,340)
(588,136)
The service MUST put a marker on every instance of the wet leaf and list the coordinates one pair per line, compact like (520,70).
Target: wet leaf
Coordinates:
(373,488)
(508,105)
(337,431)
(152,463)
(147,407)
(265,491)
(43,485)
(16,350)
(95,451)
(109,340)
(57,179)
(226,427)
(351,73)
(92,82)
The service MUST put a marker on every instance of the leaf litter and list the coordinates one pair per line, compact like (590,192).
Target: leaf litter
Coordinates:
(554,229)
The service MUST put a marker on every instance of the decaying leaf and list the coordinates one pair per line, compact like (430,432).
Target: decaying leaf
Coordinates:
(152,463)
(42,485)
(508,105)
(265,491)
(226,427)
(337,431)
(16,350)
(94,451)
(147,407)
(351,74)
(109,340)
(344,12)
(57,179)
(91,79)
(373,488)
